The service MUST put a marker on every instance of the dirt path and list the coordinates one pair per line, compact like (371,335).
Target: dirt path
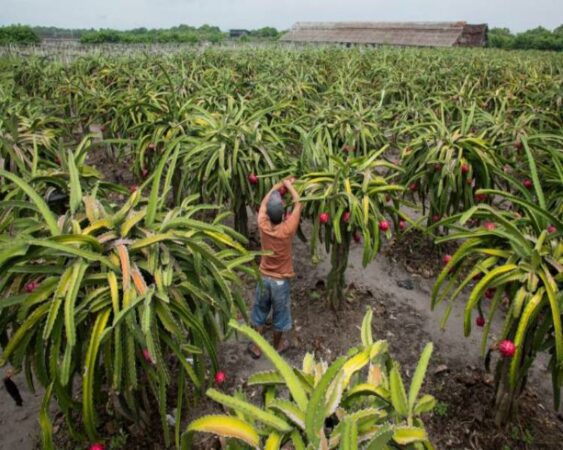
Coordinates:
(19,426)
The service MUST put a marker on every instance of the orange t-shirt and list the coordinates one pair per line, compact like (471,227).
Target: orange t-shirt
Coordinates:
(278,239)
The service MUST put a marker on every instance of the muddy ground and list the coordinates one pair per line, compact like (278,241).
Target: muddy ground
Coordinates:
(397,287)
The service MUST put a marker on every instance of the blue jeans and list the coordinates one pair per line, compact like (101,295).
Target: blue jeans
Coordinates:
(272,294)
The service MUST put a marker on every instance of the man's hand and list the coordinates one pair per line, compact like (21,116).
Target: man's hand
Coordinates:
(276,186)
(288,183)
(289,180)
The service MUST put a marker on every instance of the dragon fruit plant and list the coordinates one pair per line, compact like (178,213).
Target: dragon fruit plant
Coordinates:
(358,401)
(106,297)
(345,198)
(517,262)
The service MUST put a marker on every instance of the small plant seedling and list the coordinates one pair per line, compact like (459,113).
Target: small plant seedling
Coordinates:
(528,437)
(522,435)
(119,441)
(441,409)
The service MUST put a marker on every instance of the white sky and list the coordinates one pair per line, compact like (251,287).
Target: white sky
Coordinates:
(518,15)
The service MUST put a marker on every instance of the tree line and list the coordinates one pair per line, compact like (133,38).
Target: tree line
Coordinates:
(18,34)
(179,34)
(22,34)
(539,38)
(535,39)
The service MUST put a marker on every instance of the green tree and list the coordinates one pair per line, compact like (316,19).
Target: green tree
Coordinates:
(18,34)
(539,38)
(265,33)
(181,33)
(501,38)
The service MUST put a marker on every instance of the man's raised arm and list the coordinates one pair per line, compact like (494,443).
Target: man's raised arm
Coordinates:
(292,222)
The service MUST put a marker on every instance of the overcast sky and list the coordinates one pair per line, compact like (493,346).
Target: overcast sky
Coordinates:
(517,15)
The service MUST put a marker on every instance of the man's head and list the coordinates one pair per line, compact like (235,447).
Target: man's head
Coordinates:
(274,208)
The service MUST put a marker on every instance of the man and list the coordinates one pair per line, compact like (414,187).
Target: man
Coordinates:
(276,269)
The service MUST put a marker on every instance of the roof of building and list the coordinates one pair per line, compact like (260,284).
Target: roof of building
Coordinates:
(426,34)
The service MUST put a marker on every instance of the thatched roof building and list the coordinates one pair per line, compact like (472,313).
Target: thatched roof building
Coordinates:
(422,34)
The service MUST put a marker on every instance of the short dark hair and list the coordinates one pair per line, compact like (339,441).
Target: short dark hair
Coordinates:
(274,208)
(276,220)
